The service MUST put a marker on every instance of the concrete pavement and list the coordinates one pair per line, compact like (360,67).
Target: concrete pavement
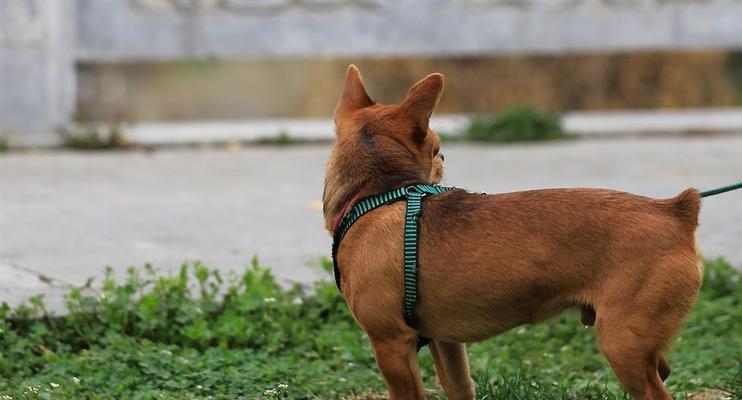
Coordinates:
(66,215)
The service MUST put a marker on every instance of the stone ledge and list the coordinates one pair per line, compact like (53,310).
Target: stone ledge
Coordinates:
(581,123)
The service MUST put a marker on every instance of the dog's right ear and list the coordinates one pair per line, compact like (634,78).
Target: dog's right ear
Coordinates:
(354,95)
(421,101)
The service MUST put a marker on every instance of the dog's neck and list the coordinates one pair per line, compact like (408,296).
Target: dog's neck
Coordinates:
(337,204)
(355,173)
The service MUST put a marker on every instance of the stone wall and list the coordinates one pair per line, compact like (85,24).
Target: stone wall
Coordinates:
(41,41)
(117,30)
(37,74)
(219,90)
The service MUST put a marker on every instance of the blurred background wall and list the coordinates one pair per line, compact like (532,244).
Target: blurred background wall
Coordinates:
(155,60)
(309,88)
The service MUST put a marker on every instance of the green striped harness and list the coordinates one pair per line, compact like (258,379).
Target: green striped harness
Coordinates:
(414,195)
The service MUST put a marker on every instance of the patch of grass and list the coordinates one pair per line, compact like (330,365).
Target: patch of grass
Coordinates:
(200,334)
(282,139)
(90,137)
(515,124)
(3,144)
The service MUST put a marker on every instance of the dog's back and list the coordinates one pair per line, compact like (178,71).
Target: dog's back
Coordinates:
(544,249)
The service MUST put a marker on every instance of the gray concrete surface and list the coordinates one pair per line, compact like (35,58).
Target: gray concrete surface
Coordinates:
(66,215)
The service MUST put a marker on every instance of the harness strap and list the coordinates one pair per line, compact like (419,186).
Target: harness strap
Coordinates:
(363,206)
(414,206)
(411,229)
(414,195)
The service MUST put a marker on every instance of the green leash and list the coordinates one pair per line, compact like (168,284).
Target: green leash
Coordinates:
(414,195)
(722,189)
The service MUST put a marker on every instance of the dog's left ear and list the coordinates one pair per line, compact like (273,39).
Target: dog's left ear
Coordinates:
(421,100)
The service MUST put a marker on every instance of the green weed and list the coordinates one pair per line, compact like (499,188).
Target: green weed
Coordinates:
(515,124)
(281,139)
(201,334)
(90,137)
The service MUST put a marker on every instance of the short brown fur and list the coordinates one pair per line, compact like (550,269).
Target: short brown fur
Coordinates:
(490,263)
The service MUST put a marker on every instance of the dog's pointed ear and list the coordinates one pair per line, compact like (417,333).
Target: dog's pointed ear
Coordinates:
(354,94)
(421,100)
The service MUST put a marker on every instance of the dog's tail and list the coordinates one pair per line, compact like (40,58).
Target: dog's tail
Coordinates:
(686,206)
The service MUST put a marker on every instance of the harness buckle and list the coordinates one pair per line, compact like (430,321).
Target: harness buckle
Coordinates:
(413,189)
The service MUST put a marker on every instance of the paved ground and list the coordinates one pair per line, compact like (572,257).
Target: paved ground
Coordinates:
(65,215)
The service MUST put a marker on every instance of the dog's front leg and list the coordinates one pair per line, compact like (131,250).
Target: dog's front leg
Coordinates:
(452,368)
(397,360)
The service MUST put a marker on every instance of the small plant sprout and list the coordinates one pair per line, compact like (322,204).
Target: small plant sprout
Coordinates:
(281,391)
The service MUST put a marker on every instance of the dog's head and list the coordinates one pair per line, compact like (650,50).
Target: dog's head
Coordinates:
(400,130)
(381,147)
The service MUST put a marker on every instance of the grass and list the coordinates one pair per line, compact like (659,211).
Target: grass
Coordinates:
(515,124)
(91,137)
(281,139)
(199,334)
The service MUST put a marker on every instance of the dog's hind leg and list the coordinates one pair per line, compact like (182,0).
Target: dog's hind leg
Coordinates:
(452,368)
(397,360)
(635,327)
(633,355)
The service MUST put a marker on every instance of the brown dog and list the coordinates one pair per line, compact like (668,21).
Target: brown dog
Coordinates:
(490,263)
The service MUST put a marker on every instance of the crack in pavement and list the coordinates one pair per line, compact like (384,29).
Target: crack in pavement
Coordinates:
(43,278)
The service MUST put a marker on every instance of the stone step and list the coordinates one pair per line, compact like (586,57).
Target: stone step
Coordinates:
(581,123)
